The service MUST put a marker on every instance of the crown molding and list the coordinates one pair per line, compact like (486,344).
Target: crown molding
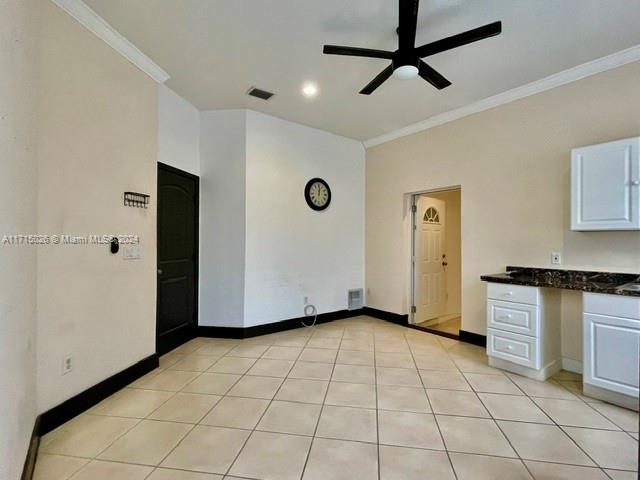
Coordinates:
(99,27)
(570,75)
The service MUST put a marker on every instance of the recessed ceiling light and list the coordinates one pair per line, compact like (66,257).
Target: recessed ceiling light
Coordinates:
(309,90)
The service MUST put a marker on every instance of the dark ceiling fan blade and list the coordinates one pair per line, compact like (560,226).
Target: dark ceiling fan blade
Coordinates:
(432,76)
(356,52)
(379,80)
(407,24)
(460,39)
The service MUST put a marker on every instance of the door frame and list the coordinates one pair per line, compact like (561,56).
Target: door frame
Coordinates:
(413,197)
(196,271)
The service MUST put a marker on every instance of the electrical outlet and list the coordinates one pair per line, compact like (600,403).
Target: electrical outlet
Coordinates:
(67,365)
(556,258)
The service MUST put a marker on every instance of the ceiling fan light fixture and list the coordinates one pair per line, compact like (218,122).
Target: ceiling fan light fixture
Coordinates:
(406,72)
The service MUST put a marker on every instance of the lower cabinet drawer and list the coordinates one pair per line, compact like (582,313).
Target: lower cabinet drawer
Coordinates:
(513,347)
(513,317)
(513,293)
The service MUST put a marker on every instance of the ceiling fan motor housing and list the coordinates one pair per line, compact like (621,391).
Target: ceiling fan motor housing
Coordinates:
(401,58)
(405,65)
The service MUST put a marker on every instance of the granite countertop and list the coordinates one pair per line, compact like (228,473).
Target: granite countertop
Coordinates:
(596,282)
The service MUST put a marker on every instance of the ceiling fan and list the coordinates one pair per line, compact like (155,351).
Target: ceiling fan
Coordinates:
(406,61)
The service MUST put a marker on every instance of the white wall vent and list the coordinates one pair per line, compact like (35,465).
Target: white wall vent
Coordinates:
(356,299)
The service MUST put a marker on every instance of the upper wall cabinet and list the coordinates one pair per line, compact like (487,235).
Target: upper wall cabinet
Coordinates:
(605,186)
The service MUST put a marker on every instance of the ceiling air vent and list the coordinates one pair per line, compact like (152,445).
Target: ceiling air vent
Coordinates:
(261,94)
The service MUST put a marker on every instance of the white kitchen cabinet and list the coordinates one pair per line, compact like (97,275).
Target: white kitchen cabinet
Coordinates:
(605,186)
(523,329)
(611,348)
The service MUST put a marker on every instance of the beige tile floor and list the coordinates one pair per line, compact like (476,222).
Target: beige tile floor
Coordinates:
(353,399)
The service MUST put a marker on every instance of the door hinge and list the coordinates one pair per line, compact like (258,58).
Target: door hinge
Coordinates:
(413,309)
(414,208)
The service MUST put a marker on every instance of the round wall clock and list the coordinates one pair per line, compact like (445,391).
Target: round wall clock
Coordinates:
(317,194)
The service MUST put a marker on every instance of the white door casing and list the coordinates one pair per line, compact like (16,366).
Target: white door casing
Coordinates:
(430,281)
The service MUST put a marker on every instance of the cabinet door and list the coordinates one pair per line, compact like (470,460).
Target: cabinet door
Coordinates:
(611,353)
(605,186)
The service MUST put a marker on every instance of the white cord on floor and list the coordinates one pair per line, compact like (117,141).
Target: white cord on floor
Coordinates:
(310,310)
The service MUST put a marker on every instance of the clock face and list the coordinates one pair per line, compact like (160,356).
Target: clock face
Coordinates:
(317,194)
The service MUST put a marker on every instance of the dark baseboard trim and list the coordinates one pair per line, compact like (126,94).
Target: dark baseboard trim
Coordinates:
(73,407)
(32,453)
(435,331)
(467,337)
(473,338)
(396,318)
(290,324)
(174,339)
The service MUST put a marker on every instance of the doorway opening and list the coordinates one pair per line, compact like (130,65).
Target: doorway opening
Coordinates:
(436,261)
(177,291)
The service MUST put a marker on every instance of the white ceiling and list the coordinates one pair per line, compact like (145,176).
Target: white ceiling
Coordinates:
(215,50)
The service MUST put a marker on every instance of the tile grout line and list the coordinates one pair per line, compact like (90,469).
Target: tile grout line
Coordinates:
(244,444)
(326,393)
(560,427)
(273,342)
(495,421)
(358,441)
(375,383)
(553,424)
(522,462)
(302,349)
(611,420)
(435,418)
(138,422)
(193,426)
(181,390)
(196,424)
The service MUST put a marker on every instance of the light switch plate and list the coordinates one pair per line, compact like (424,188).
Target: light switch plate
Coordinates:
(131,252)
(556,258)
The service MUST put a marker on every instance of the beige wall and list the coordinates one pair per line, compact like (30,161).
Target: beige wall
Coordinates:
(513,165)
(17,216)
(453,248)
(97,139)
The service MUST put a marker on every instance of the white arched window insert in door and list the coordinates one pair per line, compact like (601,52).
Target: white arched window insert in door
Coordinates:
(431,216)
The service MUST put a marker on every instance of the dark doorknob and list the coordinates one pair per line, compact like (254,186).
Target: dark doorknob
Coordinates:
(444,264)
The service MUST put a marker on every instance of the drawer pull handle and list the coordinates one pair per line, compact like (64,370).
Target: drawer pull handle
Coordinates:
(507,294)
(509,347)
(505,317)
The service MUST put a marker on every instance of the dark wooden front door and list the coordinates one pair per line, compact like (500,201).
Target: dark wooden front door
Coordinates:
(177,257)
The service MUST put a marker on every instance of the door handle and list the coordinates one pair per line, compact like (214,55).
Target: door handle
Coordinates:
(444,264)
(159,271)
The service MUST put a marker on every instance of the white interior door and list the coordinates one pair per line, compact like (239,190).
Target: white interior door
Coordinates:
(430,284)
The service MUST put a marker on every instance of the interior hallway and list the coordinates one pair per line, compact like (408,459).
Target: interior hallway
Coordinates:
(358,398)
